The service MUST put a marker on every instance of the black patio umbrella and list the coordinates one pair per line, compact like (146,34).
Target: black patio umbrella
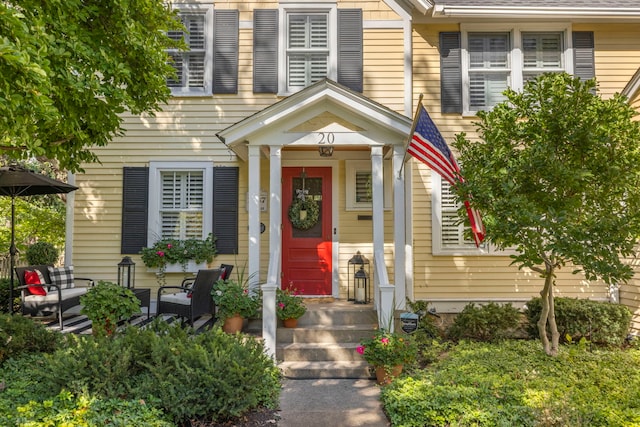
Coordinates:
(16,181)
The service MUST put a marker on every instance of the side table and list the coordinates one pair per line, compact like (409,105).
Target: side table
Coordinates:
(144,295)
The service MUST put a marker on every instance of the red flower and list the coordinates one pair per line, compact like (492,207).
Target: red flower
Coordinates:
(360,349)
(160,253)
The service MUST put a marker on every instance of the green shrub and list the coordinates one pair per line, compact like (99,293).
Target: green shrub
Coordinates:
(42,253)
(5,284)
(513,383)
(490,322)
(20,335)
(600,322)
(211,375)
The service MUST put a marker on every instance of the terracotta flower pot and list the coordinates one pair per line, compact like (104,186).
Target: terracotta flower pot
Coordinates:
(385,376)
(290,323)
(233,324)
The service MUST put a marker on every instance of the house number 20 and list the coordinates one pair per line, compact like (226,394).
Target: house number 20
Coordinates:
(326,138)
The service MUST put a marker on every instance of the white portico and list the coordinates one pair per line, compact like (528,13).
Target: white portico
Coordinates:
(344,125)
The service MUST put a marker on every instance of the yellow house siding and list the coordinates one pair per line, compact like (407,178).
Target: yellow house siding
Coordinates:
(383,60)
(617,54)
(458,279)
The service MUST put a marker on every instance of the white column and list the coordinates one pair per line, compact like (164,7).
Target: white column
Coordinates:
(253,204)
(269,320)
(377,188)
(399,228)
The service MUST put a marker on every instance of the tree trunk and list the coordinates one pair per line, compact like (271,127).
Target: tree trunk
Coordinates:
(548,315)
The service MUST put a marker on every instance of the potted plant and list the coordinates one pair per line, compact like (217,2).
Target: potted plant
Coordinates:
(289,307)
(234,303)
(105,304)
(388,352)
(166,252)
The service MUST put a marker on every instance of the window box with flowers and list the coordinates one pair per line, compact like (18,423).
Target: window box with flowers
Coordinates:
(174,256)
(388,352)
(289,307)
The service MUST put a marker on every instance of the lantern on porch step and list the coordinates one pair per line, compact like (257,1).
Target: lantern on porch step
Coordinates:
(127,273)
(357,265)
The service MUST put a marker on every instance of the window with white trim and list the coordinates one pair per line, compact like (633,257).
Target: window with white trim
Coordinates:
(310,53)
(180,200)
(194,67)
(496,60)
(358,189)
(450,235)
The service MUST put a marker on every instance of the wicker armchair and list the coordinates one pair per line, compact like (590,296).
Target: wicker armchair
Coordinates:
(192,298)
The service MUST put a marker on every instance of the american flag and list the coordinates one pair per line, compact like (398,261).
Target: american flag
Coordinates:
(428,146)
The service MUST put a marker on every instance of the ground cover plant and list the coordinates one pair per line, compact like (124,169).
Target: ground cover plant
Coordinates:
(512,383)
(159,376)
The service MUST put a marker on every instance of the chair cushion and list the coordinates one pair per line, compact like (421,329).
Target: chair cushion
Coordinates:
(177,298)
(62,276)
(34,277)
(53,296)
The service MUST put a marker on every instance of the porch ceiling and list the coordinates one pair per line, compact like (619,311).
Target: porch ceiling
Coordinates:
(324,107)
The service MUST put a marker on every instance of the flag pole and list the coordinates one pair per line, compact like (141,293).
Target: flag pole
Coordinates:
(413,128)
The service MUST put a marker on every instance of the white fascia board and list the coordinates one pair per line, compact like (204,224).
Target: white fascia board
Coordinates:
(633,86)
(324,91)
(600,13)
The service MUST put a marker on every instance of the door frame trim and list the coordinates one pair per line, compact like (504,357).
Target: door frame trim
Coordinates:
(335,233)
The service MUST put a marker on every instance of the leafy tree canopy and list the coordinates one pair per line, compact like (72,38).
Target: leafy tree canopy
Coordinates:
(69,68)
(556,174)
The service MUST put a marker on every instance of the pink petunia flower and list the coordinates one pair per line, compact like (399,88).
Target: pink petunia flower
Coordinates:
(360,349)
(384,341)
(160,253)
(281,305)
(169,246)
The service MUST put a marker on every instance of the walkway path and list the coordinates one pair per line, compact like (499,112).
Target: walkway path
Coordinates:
(331,402)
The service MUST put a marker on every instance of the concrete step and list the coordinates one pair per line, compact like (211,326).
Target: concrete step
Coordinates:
(317,352)
(327,369)
(325,333)
(344,314)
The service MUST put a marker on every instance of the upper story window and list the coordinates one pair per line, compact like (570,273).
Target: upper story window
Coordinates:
(496,60)
(307,49)
(194,67)
(310,47)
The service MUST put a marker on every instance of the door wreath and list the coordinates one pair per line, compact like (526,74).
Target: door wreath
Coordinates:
(304,213)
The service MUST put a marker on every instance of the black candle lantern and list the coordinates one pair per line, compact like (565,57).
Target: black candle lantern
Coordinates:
(360,279)
(127,273)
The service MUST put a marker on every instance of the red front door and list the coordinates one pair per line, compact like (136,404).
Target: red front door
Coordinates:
(306,248)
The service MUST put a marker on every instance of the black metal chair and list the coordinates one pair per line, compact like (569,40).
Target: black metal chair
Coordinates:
(192,298)
(56,299)
(226,271)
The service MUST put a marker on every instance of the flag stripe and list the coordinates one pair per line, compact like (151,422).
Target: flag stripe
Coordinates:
(428,146)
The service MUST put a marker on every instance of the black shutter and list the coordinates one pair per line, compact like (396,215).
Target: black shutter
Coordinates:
(225,51)
(225,209)
(265,51)
(350,48)
(583,57)
(135,197)
(450,73)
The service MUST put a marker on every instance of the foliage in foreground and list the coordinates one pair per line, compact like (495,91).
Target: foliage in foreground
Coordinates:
(513,383)
(210,376)
(20,335)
